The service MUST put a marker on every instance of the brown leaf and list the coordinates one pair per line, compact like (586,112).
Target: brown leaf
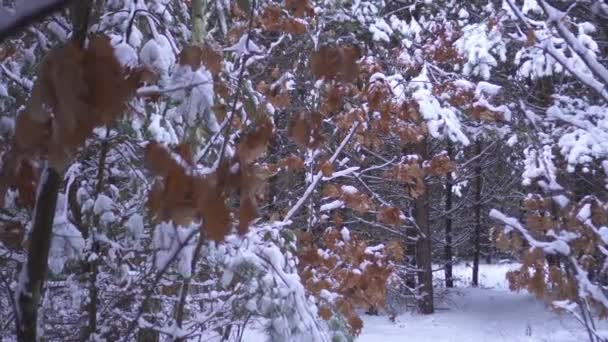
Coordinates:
(390,215)
(280,101)
(216,216)
(110,87)
(484,114)
(395,251)
(271,18)
(247,213)
(530,38)
(157,159)
(32,134)
(336,63)
(27,182)
(294,26)
(192,56)
(305,130)
(325,312)
(300,8)
(358,202)
(410,174)
(255,143)
(195,56)
(440,165)
(292,163)
(12,234)
(502,242)
(331,191)
(327,169)
(76,90)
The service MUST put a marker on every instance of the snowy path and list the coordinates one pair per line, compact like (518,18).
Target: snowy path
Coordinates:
(491,313)
(478,315)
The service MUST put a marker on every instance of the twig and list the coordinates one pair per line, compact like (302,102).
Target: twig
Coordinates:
(154,284)
(317,178)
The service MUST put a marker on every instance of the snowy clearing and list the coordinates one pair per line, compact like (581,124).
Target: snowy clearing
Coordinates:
(489,313)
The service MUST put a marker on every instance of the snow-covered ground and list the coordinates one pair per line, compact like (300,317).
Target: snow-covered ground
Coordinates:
(490,313)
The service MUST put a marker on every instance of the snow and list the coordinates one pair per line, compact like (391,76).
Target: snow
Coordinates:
(331,205)
(196,95)
(67,242)
(245,46)
(482,50)
(135,225)
(585,213)
(345,234)
(438,118)
(490,313)
(157,54)
(478,315)
(381,31)
(603,231)
(557,246)
(349,189)
(174,242)
(103,204)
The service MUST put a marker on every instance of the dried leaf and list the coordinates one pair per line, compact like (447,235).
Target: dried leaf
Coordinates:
(530,38)
(440,165)
(336,63)
(325,312)
(390,215)
(216,216)
(300,8)
(305,130)
(327,169)
(195,56)
(255,143)
(247,213)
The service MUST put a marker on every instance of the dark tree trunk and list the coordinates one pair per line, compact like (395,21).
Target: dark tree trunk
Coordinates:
(26,13)
(34,272)
(180,310)
(423,246)
(449,280)
(477,204)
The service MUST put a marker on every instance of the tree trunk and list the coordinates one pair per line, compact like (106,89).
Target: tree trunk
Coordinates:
(449,280)
(199,25)
(198,37)
(410,250)
(181,304)
(93,264)
(423,245)
(80,11)
(31,280)
(477,232)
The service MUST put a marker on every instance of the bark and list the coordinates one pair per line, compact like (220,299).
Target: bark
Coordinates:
(477,204)
(93,265)
(25,14)
(80,12)
(423,245)
(198,37)
(34,271)
(181,305)
(410,250)
(198,21)
(449,280)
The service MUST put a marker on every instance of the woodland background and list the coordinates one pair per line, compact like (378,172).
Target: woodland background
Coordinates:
(178,170)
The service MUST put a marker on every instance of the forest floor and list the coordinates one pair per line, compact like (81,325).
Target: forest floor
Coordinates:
(486,314)
(490,313)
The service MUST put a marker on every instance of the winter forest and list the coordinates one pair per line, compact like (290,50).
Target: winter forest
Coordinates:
(304,170)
